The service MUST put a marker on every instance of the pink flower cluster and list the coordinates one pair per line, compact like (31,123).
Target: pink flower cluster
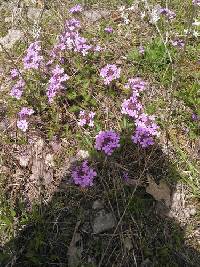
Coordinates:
(17,89)
(14,73)
(22,123)
(146,128)
(56,82)
(108,29)
(178,43)
(132,107)
(86,118)
(168,13)
(75,9)
(83,175)
(71,40)
(110,73)
(136,84)
(107,141)
(33,59)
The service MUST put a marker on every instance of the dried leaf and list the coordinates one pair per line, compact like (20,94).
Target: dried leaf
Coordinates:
(159,192)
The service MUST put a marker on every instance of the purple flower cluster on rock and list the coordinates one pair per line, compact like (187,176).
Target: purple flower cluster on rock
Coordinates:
(83,175)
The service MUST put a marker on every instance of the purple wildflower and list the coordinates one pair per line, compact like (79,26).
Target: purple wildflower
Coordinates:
(97,48)
(110,72)
(33,59)
(22,125)
(196,2)
(86,118)
(125,176)
(195,117)
(136,84)
(25,112)
(142,137)
(132,107)
(55,83)
(141,50)
(17,89)
(83,175)
(71,40)
(14,73)
(75,9)
(146,129)
(168,13)
(107,141)
(147,122)
(108,29)
(178,43)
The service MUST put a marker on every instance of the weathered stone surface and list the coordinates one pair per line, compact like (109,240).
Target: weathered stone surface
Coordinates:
(34,13)
(97,205)
(11,38)
(103,222)
(94,15)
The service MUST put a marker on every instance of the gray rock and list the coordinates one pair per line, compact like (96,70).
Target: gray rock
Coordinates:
(11,38)
(97,205)
(103,222)
(94,15)
(34,13)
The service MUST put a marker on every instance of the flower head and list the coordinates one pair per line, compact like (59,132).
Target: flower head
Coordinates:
(141,50)
(33,59)
(22,125)
(75,9)
(168,13)
(14,73)
(146,129)
(86,118)
(132,107)
(55,83)
(178,43)
(110,72)
(136,84)
(142,137)
(17,89)
(107,141)
(108,29)
(83,175)
(25,112)
(147,122)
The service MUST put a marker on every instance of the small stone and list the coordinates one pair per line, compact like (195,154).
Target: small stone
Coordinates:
(97,205)
(94,15)
(11,38)
(82,155)
(128,243)
(34,13)
(103,222)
